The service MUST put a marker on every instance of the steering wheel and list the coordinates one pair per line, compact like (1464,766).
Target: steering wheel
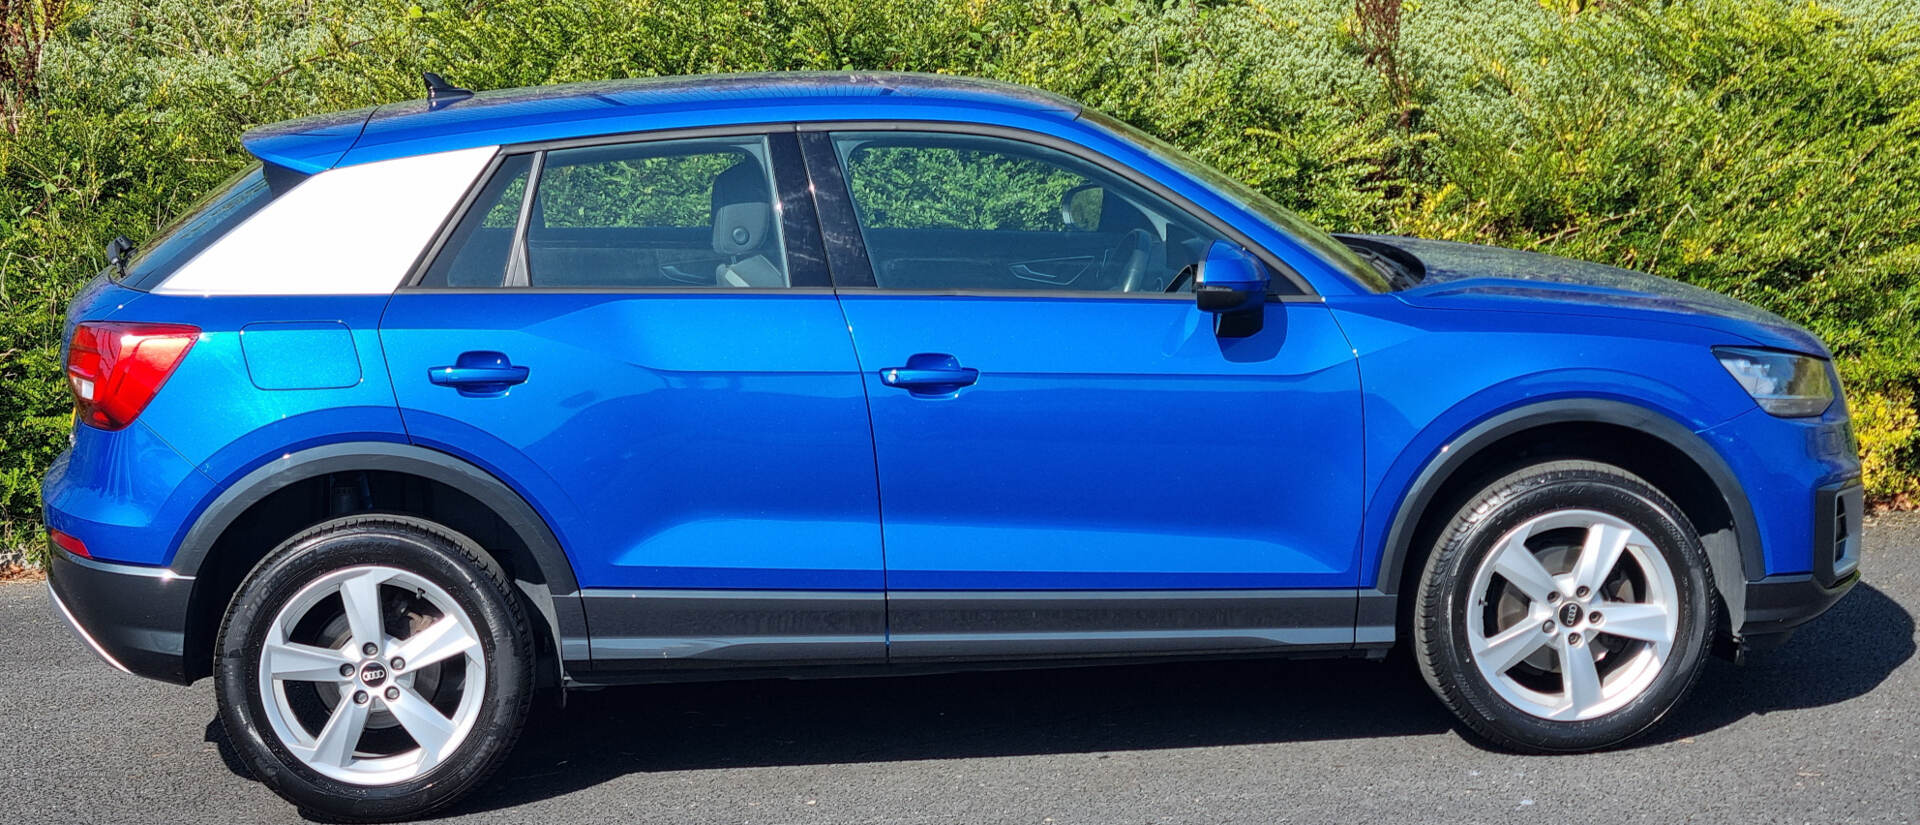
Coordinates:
(1135,271)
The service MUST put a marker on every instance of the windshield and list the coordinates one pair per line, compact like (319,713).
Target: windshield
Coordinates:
(206,221)
(1330,250)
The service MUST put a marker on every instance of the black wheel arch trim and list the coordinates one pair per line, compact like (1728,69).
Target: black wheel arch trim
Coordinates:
(556,598)
(1733,566)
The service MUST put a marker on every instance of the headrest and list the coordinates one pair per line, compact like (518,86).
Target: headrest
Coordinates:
(742,208)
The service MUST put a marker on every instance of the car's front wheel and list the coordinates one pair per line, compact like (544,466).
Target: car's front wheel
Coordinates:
(1566,606)
(373,668)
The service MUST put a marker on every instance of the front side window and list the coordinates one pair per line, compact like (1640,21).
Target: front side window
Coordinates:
(659,214)
(1329,248)
(940,211)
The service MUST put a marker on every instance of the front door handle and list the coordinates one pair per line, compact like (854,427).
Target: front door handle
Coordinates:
(930,375)
(479,374)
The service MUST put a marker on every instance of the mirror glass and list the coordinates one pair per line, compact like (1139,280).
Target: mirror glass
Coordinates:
(1080,207)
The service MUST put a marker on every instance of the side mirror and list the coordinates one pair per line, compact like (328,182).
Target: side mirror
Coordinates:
(1232,285)
(1080,207)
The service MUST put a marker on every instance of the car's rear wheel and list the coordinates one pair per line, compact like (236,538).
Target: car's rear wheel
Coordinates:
(374,667)
(1565,607)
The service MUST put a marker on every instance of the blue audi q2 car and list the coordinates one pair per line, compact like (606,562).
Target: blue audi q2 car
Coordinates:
(446,402)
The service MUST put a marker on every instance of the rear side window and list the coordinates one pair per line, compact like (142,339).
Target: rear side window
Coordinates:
(476,254)
(207,220)
(700,212)
(628,188)
(659,214)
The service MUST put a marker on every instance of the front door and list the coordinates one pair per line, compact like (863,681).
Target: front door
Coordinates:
(641,337)
(1070,461)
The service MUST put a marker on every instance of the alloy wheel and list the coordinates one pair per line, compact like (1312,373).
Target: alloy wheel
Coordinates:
(354,701)
(1573,615)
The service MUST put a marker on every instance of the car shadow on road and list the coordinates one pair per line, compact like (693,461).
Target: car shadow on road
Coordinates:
(610,733)
(1846,653)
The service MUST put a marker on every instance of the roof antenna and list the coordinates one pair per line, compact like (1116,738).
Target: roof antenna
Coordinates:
(441,94)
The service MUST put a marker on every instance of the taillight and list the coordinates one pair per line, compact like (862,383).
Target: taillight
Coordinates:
(114,369)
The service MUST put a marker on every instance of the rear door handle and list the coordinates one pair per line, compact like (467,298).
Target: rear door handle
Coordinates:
(930,375)
(479,374)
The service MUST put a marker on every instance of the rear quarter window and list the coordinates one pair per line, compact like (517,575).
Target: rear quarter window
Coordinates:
(206,221)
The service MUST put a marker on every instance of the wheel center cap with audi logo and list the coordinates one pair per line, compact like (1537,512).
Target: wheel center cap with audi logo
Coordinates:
(372,674)
(1570,614)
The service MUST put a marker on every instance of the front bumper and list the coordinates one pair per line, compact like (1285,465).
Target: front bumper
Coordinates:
(1778,604)
(133,616)
(1775,605)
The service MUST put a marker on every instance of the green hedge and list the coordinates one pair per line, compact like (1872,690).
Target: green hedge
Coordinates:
(1765,148)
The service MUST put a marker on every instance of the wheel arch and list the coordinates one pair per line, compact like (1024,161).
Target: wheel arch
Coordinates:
(1655,445)
(272,502)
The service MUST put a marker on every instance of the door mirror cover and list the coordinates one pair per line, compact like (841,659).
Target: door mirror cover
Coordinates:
(1232,285)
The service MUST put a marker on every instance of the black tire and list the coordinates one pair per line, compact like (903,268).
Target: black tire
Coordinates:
(441,556)
(1441,610)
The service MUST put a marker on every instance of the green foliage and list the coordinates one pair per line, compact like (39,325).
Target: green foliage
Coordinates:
(1765,148)
(670,190)
(1889,443)
(927,187)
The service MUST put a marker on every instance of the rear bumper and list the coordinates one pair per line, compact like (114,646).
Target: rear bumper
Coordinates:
(132,616)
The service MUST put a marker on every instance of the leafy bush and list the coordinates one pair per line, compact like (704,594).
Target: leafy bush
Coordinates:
(1764,148)
(1889,432)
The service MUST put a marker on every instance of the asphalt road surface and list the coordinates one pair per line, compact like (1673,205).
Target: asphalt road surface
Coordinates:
(1825,730)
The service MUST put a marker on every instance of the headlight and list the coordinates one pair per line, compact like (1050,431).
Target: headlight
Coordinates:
(1782,383)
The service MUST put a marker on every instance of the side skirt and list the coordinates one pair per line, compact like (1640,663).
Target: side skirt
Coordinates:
(694,635)
(705,630)
(1017,624)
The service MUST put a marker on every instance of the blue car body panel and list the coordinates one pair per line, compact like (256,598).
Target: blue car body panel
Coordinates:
(675,441)
(1778,465)
(214,417)
(122,493)
(1113,444)
(253,426)
(1428,381)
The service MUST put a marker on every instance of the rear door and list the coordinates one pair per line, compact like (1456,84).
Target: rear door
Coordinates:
(641,338)
(1070,461)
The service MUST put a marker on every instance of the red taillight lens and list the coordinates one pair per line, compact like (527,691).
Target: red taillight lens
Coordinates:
(114,368)
(70,543)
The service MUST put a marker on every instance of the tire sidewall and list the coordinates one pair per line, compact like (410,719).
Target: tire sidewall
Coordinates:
(350,543)
(1504,507)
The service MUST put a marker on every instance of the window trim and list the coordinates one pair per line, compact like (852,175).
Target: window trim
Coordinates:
(448,224)
(746,291)
(828,178)
(808,267)
(518,273)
